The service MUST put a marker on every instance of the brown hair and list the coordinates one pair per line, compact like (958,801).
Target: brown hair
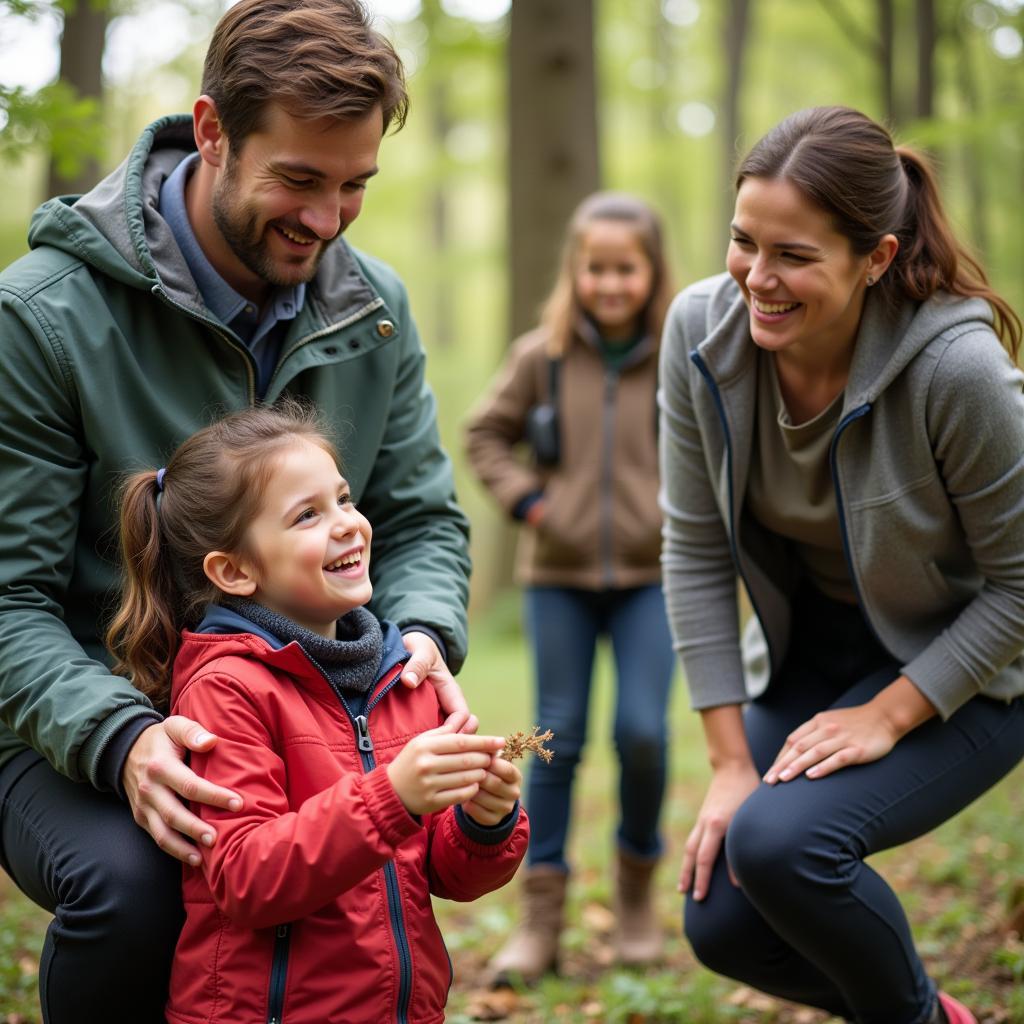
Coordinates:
(562,311)
(848,165)
(208,494)
(315,58)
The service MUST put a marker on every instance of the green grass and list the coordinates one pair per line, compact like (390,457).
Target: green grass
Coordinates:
(957,884)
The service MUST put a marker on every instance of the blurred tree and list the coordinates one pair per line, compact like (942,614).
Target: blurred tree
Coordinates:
(58,116)
(81,68)
(553,141)
(737,23)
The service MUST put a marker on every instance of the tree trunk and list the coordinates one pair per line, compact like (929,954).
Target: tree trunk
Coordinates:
(924,20)
(81,66)
(886,50)
(552,149)
(737,22)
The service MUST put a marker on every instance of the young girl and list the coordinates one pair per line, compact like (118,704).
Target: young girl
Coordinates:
(247,567)
(842,430)
(581,389)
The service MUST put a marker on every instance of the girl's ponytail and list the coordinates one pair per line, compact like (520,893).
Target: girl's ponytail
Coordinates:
(930,258)
(144,634)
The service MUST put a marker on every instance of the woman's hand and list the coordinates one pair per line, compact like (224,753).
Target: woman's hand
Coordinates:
(840,737)
(731,784)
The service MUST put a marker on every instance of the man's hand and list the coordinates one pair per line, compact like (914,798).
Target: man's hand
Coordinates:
(441,768)
(426,663)
(156,779)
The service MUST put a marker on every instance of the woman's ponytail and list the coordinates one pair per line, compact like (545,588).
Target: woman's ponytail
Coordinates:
(144,634)
(930,259)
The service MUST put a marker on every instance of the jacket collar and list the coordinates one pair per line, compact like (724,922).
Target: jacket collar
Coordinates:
(116,228)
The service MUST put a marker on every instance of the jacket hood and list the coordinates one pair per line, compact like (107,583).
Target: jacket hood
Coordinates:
(116,229)
(224,633)
(876,361)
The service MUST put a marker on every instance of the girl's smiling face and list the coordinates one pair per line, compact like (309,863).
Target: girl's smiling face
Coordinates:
(613,277)
(308,548)
(802,283)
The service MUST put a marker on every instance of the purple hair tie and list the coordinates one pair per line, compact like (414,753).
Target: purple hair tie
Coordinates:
(160,474)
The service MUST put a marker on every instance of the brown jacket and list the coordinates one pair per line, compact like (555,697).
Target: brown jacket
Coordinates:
(602,525)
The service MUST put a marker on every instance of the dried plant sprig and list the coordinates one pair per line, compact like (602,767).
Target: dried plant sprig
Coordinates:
(517,745)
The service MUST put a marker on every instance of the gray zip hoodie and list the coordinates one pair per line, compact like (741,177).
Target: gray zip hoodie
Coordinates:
(928,466)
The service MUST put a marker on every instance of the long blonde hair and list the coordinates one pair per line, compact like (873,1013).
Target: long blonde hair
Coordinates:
(562,311)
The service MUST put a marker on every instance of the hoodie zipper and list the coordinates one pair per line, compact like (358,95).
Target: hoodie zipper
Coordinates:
(733,544)
(278,974)
(856,414)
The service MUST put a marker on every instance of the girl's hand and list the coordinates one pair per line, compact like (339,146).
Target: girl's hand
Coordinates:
(843,736)
(730,786)
(497,795)
(441,768)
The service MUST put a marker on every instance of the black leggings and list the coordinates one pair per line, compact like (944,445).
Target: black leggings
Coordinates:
(811,921)
(115,896)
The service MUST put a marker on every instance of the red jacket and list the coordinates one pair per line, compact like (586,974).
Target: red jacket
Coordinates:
(314,904)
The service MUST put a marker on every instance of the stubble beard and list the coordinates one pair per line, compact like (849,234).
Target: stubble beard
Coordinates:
(238,221)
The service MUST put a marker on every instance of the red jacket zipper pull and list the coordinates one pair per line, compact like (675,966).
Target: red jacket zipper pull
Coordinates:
(363,733)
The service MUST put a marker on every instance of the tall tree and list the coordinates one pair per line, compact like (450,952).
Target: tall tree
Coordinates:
(81,68)
(735,28)
(553,143)
(926,32)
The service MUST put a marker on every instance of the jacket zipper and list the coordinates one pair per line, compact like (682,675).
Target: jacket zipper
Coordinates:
(856,414)
(278,974)
(733,544)
(395,914)
(243,351)
(606,530)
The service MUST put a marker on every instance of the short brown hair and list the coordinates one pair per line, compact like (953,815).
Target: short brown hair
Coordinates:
(314,58)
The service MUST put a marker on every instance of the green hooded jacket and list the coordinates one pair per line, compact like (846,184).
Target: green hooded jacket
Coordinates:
(108,361)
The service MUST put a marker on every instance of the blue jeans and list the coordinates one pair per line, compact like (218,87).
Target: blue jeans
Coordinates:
(564,625)
(811,922)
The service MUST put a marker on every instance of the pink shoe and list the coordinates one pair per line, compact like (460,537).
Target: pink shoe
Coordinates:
(955,1011)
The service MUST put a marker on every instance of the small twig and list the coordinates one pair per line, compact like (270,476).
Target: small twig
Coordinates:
(519,743)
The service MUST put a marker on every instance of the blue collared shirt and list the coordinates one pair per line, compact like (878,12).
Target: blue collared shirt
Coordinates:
(263,335)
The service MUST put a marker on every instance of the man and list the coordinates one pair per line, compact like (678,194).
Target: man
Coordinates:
(205,274)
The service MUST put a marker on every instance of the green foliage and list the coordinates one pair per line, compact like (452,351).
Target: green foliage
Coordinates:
(56,118)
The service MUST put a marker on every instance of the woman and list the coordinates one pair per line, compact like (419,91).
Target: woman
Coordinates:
(842,430)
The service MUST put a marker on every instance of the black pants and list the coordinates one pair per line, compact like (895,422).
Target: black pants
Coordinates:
(115,896)
(811,921)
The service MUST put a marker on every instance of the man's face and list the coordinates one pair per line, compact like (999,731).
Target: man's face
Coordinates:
(291,188)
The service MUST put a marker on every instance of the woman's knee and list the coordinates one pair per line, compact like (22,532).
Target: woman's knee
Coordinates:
(715,935)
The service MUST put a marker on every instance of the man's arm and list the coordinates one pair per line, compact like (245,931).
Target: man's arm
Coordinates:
(421,560)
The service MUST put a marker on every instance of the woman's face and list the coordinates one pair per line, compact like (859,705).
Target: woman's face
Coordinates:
(802,283)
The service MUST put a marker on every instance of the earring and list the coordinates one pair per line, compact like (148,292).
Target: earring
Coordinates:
(871,280)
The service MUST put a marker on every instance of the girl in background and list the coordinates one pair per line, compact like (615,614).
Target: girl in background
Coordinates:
(247,568)
(580,391)
(843,430)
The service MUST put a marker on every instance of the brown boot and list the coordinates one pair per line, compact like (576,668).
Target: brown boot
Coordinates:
(639,940)
(532,949)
